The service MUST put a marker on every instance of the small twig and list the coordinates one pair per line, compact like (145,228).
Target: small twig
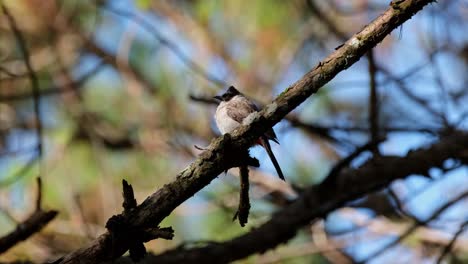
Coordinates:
(363,129)
(203,99)
(112,60)
(211,163)
(56,89)
(81,212)
(129,202)
(423,103)
(9,73)
(400,206)
(200,148)
(25,229)
(154,233)
(121,228)
(326,20)
(449,246)
(332,27)
(415,226)
(33,224)
(195,67)
(39,194)
(32,75)
(325,131)
(20,173)
(334,172)
(322,132)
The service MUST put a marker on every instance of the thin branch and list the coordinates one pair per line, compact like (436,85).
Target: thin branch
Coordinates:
(359,129)
(415,226)
(129,202)
(221,153)
(423,103)
(325,131)
(121,229)
(191,64)
(332,27)
(325,20)
(203,99)
(33,224)
(335,171)
(449,246)
(39,194)
(9,73)
(315,202)
(56,89)
(25,229)
(32,74)
(20,173)
(353,10)
(400,206)
(116,62)
(322,132)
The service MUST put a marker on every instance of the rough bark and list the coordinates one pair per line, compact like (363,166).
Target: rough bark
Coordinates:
(317,201)
(217,158)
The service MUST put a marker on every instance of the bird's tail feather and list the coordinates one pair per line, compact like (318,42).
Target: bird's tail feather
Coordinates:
(264,142)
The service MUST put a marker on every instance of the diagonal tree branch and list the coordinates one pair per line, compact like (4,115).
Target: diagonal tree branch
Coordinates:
(191,64)
(329,23)
(216,159)
(33,224)
(317,201)
(57,89)
(415,226)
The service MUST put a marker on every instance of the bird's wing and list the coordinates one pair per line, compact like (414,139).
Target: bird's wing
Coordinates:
(270,134)
(239,109)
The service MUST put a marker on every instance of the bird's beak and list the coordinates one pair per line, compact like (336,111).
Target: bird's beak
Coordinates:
(217,97)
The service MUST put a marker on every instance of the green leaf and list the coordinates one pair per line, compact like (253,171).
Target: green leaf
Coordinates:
(143,4)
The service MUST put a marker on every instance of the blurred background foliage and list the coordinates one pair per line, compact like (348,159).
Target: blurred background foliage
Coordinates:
(122,85)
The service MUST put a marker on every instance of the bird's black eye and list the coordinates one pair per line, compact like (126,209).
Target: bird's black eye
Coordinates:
(228,96)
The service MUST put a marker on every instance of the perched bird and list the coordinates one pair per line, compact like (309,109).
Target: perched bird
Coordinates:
(232,109)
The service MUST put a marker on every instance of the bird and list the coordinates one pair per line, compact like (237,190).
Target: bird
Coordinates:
(232,109)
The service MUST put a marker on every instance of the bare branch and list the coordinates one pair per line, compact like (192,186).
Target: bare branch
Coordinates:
(32,74)
(39,194)
(449,246)
(30,226)
(317,201)
(56,89)
(415,226)
(195,67)
(219,156)
(335,171)
(20,173)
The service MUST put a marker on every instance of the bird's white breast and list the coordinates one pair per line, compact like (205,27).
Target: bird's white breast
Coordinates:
(224,122)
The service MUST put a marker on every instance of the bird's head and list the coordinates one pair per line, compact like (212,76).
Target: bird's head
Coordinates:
(228,95)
